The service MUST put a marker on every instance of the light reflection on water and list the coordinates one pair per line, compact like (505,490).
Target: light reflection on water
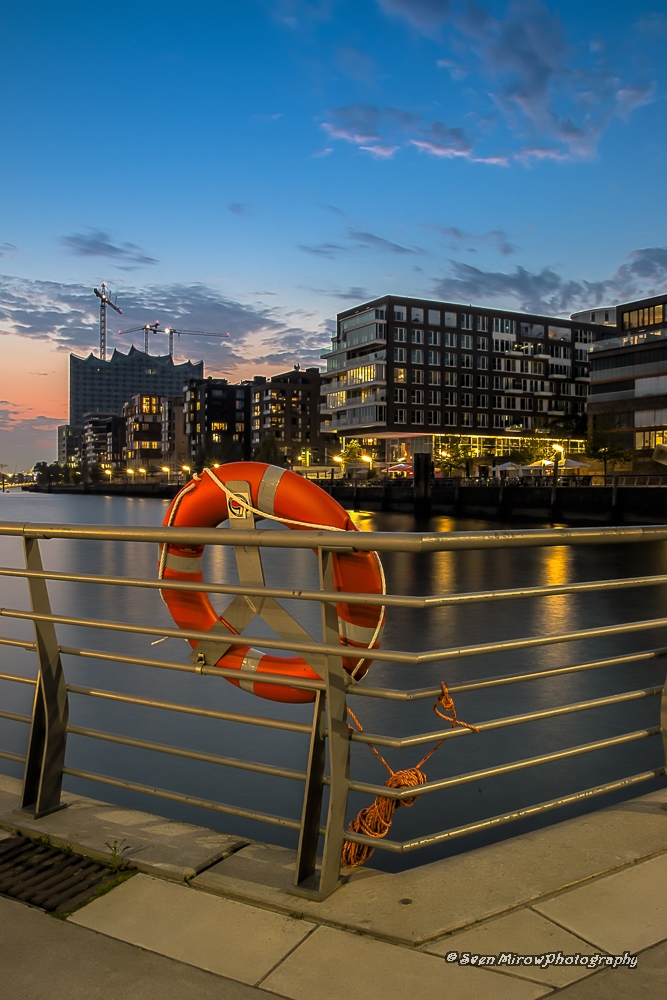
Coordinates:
(406,573)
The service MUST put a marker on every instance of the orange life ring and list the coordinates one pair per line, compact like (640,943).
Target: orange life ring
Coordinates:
(287,497)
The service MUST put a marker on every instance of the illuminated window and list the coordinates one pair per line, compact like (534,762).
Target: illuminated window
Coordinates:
(400,375)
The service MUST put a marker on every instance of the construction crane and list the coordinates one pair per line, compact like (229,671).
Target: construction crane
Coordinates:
(170,331)
(104,302)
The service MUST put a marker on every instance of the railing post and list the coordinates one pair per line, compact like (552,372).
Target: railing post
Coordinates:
(42,781)
(339,762)
(663,721)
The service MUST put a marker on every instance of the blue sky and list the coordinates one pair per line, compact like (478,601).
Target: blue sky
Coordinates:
(257,166)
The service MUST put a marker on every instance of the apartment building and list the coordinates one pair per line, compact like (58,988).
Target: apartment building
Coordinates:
(143,431)
(217,419)
(401,369)
(287,406)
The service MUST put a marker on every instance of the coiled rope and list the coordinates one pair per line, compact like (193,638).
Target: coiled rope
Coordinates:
(375,820)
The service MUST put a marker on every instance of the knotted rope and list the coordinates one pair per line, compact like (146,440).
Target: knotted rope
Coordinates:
(376,819)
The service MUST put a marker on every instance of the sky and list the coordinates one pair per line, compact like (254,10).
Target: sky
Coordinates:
(255,167)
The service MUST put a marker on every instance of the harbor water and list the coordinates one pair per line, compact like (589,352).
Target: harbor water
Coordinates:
(433,573)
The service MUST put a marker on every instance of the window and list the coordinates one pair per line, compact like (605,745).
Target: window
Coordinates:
(450,360)
(482,402)
(482,419)
(417,336)
(560,333)
(400,417)
(434,378)
(400,375)
(434,398)
(434,418)
(465,381)
(449,418)
(417,416)
(434,338)
(450,319)
(504,325)
(466,321)
(417,315)
(466,420)
(482,362)
(483,324)
(466,361)
(434,357)
(400,355)
(239,404)
(450,399)
(417,376)
(482,381)
(434,317)
(400,396)
(584,336)
(450,340)
(643,317)
(417,397)
(482,343)
(580,390)
(450,378)
(399,314)
(466,342)
(400,334)
(531,330)
(466,399)
(217,426)
(417,356)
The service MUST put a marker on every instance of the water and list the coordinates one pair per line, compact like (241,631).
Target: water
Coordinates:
(406,574)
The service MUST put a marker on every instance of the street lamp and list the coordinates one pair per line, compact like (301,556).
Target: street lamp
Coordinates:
(144,472)
(186,468)
(165,468)
(129,472)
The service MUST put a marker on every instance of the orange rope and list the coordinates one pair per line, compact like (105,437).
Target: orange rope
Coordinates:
(376,819)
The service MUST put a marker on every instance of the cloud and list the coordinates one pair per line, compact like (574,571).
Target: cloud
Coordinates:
(6,249)
(97,243)
(554,100)
(356,66)
(322,152)
(239,208)
(380,152)
(66,317)
(27,439)
(455,237)
(643,273)
(359,240)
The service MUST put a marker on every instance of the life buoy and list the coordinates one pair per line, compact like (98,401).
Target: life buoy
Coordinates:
(283,496)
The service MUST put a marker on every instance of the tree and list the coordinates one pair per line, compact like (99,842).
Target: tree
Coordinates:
(607,447)
(453,455)
(268,451)
(351,452)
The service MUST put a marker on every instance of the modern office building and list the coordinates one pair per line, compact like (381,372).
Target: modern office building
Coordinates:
(288,406)
(97,386)
(143,431)
(628,390)
(217,420)
(405,371)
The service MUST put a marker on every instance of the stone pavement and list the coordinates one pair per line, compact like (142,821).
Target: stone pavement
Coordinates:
(227,927)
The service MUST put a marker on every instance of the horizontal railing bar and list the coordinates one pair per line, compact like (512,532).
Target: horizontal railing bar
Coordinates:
(392,694)
(400,742)
(389,600)
(190,800)
(19,680)
(8,755)
(492,772)
(13,717)
(210,713)
(396,656)
(361,541)
(208,758)
(401,847)
(18,642)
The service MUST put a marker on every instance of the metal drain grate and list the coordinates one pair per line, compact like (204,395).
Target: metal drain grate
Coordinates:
(47,877)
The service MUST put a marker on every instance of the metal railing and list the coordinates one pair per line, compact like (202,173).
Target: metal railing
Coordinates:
(327,762)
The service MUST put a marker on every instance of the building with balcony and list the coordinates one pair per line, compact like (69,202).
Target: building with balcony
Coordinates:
(287,406)
(143,431)
(628,390)
(69,445)
(404,369)
(216,418)
(94,439)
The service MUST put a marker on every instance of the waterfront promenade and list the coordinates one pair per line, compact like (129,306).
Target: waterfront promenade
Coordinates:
(209,916)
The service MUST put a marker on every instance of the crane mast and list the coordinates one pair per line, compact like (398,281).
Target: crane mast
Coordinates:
(104,302)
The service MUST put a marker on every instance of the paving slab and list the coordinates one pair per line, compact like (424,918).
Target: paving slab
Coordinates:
(522,932)
(42,957)
(645,982)
(331,964)
(219,935)
(622,912)
(152,843)
(456,892)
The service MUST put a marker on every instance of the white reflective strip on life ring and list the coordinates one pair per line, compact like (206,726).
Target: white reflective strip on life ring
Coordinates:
(357,633)
(250,662)
(266,494)
(183,564)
